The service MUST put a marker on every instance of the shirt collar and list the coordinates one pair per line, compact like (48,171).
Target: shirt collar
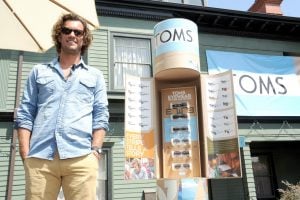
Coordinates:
(55,64)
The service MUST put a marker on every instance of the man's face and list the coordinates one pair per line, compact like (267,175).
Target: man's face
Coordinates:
(235,161)
(71,37)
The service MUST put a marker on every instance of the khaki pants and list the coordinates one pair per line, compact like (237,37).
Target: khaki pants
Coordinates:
(76,176)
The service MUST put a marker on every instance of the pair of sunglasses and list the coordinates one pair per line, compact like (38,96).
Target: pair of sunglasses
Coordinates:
(184,141)
(179,105)
(184,166)
(182,128)
(180,116)
(68,31)
(185,153)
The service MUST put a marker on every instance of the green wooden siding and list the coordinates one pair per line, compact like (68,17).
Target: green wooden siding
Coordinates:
(18,190)
(227,189)
(29,60)
(5,143)
(248,175)
(98,53)
(4,71)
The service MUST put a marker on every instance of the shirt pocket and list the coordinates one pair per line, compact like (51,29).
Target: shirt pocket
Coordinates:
(85,91)
(46,87)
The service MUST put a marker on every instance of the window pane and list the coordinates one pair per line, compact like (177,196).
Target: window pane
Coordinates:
(260,166)
(118,77)
(263,176)
(131,56)
(116,118)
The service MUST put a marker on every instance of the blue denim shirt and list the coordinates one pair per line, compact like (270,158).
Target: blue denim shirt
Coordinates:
(62,114)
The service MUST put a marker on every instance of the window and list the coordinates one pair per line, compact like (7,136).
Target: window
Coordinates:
(263,176)
(131,56)
(116,117)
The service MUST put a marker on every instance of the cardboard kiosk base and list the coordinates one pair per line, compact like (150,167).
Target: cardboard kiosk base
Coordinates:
(180,132)
(182,189)
(167,159)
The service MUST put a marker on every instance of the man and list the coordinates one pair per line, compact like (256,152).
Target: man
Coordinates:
(63,118)
(138,171)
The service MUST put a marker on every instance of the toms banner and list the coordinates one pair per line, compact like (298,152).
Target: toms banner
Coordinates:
(264,85)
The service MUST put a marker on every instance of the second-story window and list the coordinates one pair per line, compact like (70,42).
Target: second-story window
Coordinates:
(131,56)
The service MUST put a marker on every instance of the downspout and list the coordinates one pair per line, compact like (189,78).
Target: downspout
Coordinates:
(13,147)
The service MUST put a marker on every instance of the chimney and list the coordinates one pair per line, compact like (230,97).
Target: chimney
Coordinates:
(267,6)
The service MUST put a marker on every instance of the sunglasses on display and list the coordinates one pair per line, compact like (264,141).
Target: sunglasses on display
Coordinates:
(182,128)
(68,31)
(179,116)
(179,105)
(184,166)
(185,153)
(185,141)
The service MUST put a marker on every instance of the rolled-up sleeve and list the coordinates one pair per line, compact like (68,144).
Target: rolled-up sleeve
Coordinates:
(27,109)
(100,106)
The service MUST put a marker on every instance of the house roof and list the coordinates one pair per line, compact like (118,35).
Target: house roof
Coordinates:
(212,20)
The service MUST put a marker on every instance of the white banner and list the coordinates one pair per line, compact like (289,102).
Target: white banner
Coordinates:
(264,85)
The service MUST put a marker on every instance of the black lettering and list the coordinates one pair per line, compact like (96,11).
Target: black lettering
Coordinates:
(178,36)
(169,36)
(266,87)
(189,38)
(281,85)
(243,88)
